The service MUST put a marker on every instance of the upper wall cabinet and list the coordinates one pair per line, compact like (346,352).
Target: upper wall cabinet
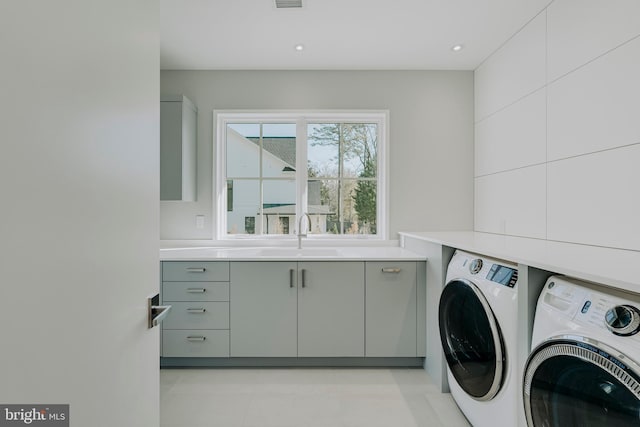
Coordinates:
(178,118)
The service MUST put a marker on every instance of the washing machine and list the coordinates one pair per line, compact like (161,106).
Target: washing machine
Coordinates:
(583,370)
(477,319)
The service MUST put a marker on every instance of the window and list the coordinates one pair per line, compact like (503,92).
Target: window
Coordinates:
(273,167)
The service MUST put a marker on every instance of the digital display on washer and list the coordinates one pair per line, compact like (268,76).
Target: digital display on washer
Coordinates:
(503,275)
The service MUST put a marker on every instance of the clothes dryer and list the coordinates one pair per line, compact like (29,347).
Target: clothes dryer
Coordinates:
(583,370)
(477,319)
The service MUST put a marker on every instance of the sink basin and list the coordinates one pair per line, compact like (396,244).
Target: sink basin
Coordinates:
(294,252)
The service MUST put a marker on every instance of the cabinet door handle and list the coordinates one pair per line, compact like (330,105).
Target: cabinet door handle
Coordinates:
(195,338)
(304,278)
(292,275)
(196,310)
(196,269)
(391,270)
(196,290)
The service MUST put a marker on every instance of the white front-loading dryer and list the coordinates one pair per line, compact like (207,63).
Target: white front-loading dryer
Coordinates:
(477,319)
(583,369)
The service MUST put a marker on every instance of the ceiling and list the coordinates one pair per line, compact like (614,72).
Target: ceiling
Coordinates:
(337,34)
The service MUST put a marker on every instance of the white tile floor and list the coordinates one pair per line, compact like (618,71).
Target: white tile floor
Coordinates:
(296,397)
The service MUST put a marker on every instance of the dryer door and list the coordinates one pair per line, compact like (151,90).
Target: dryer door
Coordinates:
(471,339)
(575,381)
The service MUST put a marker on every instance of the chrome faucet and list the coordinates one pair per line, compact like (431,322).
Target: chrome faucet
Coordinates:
(300,233)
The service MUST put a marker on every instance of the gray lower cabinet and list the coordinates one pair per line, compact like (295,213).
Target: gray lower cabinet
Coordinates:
(331,309)
(264,306)
(198,323)
(294,309)
(391,307)
(289,309)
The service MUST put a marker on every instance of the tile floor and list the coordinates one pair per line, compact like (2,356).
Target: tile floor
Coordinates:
(296,397)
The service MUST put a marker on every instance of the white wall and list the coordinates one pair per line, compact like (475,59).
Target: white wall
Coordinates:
(79,181)
(557,135)
(431,143)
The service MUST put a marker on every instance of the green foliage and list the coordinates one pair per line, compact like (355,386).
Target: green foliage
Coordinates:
(365,195)
(359,143)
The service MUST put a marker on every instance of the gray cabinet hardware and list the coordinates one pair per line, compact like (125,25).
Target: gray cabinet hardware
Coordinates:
(391,270)
(292,275)
(196,338)
(196,269)
(196,310)
(196,290)
(304,278)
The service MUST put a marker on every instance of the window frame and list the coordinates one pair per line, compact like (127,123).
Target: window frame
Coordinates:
(221,118)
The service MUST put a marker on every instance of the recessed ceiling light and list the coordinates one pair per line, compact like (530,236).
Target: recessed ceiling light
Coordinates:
(457,48)
(299,47)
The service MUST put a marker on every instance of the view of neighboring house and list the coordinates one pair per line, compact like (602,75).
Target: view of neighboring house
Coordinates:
(276,213)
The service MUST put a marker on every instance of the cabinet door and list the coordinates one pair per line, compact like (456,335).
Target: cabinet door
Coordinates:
(331,309)
(263,305)
(391,303)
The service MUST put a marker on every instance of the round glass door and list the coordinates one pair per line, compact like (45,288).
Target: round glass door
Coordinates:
(471,339)
(580,383)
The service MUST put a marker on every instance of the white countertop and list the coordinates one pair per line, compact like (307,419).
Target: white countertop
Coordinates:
(342,253)
(610,267)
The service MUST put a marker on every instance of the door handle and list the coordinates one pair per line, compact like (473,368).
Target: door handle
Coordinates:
(156,312)
(304,278)
(391,270)
(196,310)
(196,338)
(196,269)
(196,290)
(292,275)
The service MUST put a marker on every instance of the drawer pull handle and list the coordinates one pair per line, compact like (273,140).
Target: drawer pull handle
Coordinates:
(196,310)
(195,338)
(196,290)
(304,278)
(391,270)
(196,269)
(292,274)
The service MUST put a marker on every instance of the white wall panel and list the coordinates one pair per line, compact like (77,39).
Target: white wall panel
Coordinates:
(512,202)
(581,30)
(515,70)
(594,199)
(597,106)
(512,138)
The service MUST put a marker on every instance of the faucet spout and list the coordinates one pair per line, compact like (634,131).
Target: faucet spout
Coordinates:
(300,233)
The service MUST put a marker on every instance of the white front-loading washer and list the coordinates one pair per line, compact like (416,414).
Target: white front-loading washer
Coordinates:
(478,330)
(583,370)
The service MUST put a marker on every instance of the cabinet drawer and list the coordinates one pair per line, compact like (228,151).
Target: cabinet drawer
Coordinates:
(195,343)
(190,291)
(197,315)
(195,271)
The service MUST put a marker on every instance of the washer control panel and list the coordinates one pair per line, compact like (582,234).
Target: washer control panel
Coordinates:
(484,268)
(592,308)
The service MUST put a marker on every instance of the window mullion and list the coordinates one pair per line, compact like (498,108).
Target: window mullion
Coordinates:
(340,174)
(301,168)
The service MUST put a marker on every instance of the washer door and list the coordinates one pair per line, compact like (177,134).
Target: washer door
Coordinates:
(579,382)
(471,339)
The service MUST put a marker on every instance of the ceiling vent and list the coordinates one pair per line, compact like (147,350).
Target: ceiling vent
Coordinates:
(285,4)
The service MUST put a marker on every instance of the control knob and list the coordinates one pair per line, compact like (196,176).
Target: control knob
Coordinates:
(623,320)
(476,266)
